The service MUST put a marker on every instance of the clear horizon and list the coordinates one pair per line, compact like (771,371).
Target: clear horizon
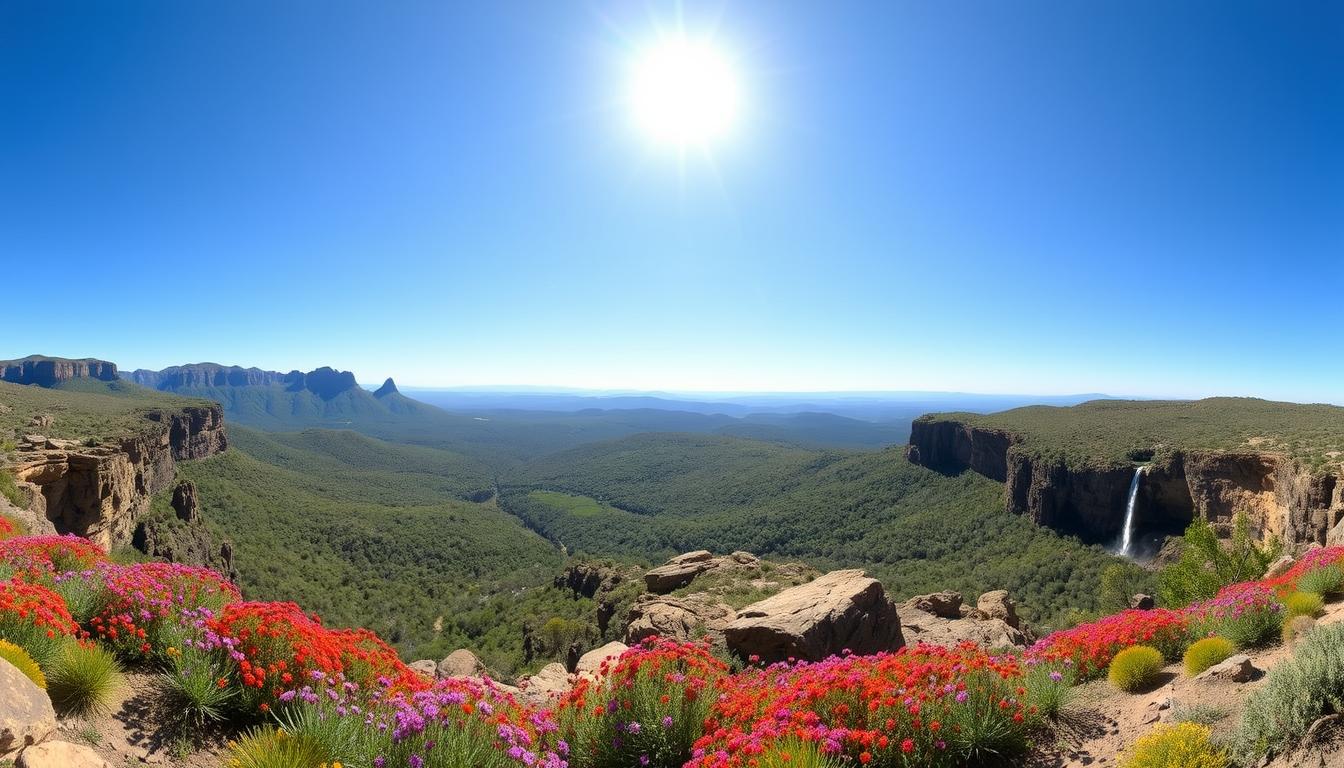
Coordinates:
(1143,199)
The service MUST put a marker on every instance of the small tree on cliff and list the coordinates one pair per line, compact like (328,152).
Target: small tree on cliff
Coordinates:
(1207,564)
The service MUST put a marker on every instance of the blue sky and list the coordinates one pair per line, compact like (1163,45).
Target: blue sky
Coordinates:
(1129,197)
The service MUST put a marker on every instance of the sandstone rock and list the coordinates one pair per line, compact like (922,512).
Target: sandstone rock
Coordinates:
(838,611)
(60,754)
(460,663)
(683,569)
(1235,669)
(426,667)
(682,619)
(591,662)
(1142,601)
(1279,567)
(998,605)
(50,371)
(921,626)
(550,682)
(42,421)
(945,604)
(26,716)
(101,492)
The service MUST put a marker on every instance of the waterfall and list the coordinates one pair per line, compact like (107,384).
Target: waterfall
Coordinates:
(1127,537)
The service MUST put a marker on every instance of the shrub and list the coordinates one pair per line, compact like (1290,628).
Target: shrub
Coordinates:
(1327,580)
(924,705)
(1296,627)
(1303,604)
(9,488)
(34,618)
(796,753)
(146,608)
(648,709)
(270,747)
(1136,668)
(23,662)
(1049,687)
(1090,647)
(1247,614)
(1205,653)
(1206,564)
(1184,745)
(1296,693)
(84,679)
(191,687)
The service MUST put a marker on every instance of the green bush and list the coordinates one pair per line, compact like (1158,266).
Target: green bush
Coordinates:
(84,679)
(1205,653)
(794,753)
(1184,745)
(1253,628)
(10,490)
(1297,692)
(190,688)
(1328,580)
(1207,565)
(1304,604)
(1121,581)
(1135,668)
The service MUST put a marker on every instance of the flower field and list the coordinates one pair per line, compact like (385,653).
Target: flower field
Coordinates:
(346,697)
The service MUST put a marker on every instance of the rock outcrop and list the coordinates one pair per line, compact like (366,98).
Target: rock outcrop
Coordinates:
(842,610)
(683,569)
(591,663)
(550,682)
(324,382)
(684,619)
(942,619)
(26,716)
(1282,496)
(100,492)
(185,538)
(587,579)
(51,371)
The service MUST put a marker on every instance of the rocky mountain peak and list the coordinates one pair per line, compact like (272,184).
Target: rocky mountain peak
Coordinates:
(389,388)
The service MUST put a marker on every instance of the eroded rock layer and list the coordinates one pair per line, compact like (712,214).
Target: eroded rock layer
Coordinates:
(1282,496)
(101,491)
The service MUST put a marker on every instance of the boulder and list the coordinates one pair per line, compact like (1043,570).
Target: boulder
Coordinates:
(425,667)
(26,716)
(1235,669)
(585,579)
(998,605)
(590,663)
(924,627)
(945,604)
(682,619)
(460,663)
(60,754)
(1279,567)
(843,610)
(550,682)
(683,569)
(1142,601)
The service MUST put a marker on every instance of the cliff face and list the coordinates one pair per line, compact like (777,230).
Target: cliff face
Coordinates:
(1281,496)
(208,375)
(100,491)
(50,371)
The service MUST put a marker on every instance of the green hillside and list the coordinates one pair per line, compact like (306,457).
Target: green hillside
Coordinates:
(376,535)
(1118,430)
(917,530)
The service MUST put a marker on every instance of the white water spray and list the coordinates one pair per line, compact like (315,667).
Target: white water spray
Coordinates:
(1127,537)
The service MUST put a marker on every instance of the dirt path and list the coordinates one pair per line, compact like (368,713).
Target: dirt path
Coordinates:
(133,732)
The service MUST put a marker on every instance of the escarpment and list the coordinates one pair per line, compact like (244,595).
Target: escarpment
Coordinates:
(1282,496)
(50,371)
(100,491)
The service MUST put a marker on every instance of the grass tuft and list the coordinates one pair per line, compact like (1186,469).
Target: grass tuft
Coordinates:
(1136,668)
(84,679)
(1207,652)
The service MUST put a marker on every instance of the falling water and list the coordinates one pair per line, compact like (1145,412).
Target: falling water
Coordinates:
(1127,538)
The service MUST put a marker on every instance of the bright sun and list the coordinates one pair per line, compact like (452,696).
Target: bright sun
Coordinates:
(683,92)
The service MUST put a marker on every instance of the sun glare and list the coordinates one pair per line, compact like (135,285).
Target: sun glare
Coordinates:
(683,92)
